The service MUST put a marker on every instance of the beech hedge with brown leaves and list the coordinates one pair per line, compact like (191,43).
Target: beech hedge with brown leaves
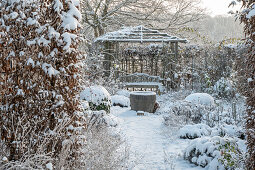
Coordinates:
(40,77)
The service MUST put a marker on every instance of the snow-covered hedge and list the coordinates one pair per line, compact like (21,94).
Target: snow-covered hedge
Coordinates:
(98,98)
(40,58)
(119,100)
(215,153)
(194,131)
(200,130)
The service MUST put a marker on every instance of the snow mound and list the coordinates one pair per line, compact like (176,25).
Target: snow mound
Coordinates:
(201,98)
(194,131)
(95,94)
(122,101)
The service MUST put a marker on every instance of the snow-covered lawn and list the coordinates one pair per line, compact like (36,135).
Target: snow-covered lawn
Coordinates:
(150,147)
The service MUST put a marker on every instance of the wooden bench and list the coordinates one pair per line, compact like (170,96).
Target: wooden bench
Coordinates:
(142,81)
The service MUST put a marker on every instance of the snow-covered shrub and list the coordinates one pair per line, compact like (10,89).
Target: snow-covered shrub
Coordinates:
(200,98)
(207,81)
(105,149)
(228,130)
(200,104)
(215,153)
(98,98)
(199,130)
(122,101)
(226,113)
(231,156)
(194,131)
(192,112)
(27,162)
(40,65)
(223,88)
(39,158)
(100,118)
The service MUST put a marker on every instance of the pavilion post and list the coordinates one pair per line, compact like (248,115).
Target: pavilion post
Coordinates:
(126,66)
(116,59)
(163,60)
(176,51)
(108,55)
(133,65)
(152,65)
(141,63)
(156,65)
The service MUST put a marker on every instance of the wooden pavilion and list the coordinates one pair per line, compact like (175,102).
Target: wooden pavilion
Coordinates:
(157,60)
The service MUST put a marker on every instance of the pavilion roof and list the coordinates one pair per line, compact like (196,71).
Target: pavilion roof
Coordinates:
(138,34)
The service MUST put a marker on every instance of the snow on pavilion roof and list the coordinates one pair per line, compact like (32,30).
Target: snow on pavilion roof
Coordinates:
(138,34)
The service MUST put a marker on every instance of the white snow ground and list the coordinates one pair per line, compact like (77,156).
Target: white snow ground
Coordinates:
(152,146)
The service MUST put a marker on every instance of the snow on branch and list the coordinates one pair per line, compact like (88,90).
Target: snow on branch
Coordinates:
(71,19)
(68,37)
(48,69)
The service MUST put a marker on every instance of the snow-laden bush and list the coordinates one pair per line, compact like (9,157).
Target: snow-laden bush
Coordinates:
(226,113)
(200,98)
(215,153)
(40,158)
(98,98)
(105,150)
(228,130)
(122,101)
(193,112)
(222,113)
(101,118)
(194,131)
(199,130)
(32,162)
(223,88)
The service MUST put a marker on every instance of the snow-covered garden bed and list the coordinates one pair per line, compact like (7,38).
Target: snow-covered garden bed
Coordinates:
(212,129)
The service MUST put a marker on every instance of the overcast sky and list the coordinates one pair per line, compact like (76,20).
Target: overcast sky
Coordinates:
(218,7)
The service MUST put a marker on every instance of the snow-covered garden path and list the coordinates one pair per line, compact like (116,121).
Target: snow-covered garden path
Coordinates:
(151,148)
